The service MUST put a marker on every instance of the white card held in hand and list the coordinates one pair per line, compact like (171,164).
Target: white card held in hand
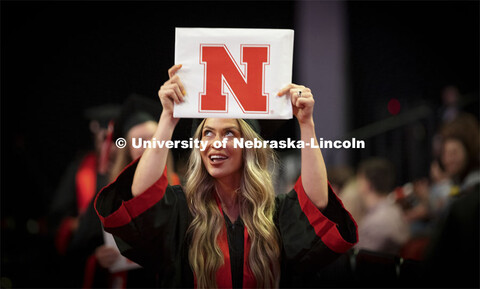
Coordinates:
(234,73)
(122,263)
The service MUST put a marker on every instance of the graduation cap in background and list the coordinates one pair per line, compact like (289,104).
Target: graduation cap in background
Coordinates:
(102,114)
(102,118)
(136,109)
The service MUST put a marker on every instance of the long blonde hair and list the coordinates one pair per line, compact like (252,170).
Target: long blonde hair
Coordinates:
(257,205)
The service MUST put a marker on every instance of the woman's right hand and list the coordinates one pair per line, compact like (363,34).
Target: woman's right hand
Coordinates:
(172,91)
(152,163)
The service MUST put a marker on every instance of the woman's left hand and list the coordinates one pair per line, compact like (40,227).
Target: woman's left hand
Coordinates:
(302,101)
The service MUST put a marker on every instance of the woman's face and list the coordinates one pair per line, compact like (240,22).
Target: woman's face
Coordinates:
(454,157)
(225,161)
(145,131)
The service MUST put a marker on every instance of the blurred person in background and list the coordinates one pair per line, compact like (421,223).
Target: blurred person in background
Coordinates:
(454,171)
(383,227)
(452,258)
(450,108)
(426,200)
(136,120)
(460,151)
(439,189)
(343,181)
(84,176)
(82,179)
(339,176)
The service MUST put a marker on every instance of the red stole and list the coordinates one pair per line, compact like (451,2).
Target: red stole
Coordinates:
(224,273)
(86,181)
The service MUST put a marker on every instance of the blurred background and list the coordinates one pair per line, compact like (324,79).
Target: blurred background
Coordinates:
(393,74)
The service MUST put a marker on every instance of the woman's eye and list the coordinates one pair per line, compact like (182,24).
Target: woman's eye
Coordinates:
(229,133)
(207,133)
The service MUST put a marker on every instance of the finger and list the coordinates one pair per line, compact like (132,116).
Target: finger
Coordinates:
(296,88)
(173,96)
(107,259)
(306,92)
(176,79)
(112,252)
(102,256)
(106,252)
(173,70)
(178,93)
(112,257)
(174,86)
(102,247)
(166,92)
(304,102)
(108,262)
(294,97)
(296,94)
(286,89)
(173,91)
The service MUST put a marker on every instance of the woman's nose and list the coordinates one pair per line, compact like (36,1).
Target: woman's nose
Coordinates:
(217,138)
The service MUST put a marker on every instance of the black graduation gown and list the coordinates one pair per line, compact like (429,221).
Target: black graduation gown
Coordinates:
(66,208)
(151,229)
(88,237)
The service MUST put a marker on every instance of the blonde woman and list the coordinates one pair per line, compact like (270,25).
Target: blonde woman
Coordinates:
(226,228)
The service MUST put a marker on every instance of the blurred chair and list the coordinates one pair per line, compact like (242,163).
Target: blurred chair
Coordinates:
(369,269)
(338,274)
(411,274)
(374,269)
(415,248)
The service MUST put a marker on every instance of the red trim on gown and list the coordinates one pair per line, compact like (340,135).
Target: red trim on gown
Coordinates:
(324,228)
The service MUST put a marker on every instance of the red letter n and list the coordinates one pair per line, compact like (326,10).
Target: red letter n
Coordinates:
(221,71)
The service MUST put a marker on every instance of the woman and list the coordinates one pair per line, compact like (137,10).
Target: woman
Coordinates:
(451,258)
(226,228)
(460,154)
(136,120)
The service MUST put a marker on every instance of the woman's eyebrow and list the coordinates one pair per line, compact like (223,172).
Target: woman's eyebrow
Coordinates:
(231,127)
(224,129)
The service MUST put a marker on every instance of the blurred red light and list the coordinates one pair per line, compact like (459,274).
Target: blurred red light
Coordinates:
(394,106)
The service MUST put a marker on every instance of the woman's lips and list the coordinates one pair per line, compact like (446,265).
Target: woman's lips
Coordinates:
(217,158)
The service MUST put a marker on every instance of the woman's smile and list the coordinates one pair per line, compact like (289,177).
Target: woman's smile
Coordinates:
(217,158)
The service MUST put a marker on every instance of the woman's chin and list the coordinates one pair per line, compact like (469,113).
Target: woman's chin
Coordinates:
(217,173)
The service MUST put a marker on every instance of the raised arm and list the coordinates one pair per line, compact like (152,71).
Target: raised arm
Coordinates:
(313,171)
(153,160)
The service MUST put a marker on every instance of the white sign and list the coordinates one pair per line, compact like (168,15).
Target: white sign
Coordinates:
(234,73)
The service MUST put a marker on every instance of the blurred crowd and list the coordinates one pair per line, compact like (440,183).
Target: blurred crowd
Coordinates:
(433,221)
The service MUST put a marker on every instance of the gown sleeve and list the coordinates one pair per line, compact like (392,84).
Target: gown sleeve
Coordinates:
(149,229)
(311,238)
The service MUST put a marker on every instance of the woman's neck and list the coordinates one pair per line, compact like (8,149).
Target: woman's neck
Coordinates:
(227,191)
